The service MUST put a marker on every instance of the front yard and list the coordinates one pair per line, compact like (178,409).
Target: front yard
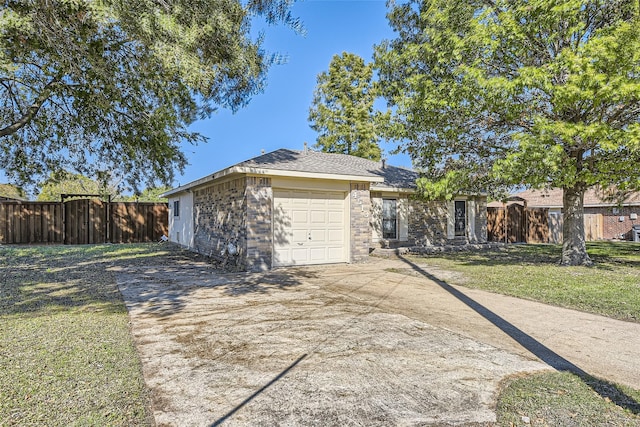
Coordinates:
(67,356)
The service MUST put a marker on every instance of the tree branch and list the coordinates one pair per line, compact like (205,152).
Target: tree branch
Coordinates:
(31,111)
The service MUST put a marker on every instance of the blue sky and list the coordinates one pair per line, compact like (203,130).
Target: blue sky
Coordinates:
(277,118)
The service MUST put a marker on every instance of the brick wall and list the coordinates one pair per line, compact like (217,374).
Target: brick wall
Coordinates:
(220,218)
(481,219)
(612,227)
(427,222)
(360,211)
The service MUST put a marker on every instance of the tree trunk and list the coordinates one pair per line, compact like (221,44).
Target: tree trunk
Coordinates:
(574,248)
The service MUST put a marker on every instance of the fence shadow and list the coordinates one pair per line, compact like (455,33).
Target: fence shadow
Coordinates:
(603,388)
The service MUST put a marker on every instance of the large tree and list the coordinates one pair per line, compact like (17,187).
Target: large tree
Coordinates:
(342,110)
(110,85)
(11,192)
(69,183)
(536,93)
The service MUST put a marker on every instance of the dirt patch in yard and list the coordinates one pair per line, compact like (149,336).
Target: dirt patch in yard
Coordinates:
(283,348)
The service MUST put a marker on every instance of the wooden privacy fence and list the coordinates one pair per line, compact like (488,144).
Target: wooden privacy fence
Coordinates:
(515,224)
(84,221)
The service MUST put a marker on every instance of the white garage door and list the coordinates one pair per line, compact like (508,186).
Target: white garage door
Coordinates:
(309,227)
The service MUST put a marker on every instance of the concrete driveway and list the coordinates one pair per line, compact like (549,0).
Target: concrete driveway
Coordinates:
(380,343)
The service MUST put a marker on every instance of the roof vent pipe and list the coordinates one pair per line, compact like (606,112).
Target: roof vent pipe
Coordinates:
(305,148)
(384,163)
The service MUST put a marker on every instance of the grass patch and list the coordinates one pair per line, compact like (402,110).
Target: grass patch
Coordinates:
(564,399)
(610,288)
(66,355)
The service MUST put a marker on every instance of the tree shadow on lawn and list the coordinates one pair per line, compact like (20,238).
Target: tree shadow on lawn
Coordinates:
(47,279)
(603,388)
(37,280)
(606,255)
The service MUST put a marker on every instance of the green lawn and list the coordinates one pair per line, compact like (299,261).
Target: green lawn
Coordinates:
(610,288)
(66,354)
(564,399)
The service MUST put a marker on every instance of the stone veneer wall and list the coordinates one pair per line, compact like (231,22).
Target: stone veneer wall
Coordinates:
(259,194)
(220,214)
(481,219)
(360,211)
(427,222)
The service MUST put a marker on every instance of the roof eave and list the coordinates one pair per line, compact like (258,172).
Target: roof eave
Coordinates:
(235,170)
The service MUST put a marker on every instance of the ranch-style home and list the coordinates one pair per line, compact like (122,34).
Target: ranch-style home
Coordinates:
(291,207)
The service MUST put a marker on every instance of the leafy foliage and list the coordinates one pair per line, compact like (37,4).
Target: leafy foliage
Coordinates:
(113,85)
(536,93)
(150,194)
(342,110)
(69,183)
(11,191)
(488,94)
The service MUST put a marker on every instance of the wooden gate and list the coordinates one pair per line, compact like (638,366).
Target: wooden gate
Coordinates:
(593,225)
(85,222)
(506,224)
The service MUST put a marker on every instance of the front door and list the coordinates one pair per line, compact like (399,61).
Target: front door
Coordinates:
(460,218)
(389,219)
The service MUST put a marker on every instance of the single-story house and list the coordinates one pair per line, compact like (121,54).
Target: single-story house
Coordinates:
(603,219)
(293,207)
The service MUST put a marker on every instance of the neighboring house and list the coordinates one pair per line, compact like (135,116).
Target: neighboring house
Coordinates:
(304,207)
(603,219)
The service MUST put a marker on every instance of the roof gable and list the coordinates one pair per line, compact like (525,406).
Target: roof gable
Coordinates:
(309,163)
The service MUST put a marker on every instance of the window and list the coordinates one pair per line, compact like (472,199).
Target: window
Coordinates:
(176,208)
(460,218)
(389,219)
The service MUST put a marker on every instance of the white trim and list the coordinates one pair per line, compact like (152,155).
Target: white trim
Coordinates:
(270,172)
(388,189)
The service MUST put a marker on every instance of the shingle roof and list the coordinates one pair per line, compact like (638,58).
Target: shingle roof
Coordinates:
(314,162)
(552,198)
(333,163)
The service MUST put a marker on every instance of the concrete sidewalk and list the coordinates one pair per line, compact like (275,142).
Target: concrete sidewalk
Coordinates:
(564,339)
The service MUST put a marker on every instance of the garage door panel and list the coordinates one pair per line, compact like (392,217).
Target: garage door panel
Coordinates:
(318,254)
(299,255)
(335,253)
(335,218)
(318,236)
(335,236)
(299,216)
(299,236)
(319,215)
